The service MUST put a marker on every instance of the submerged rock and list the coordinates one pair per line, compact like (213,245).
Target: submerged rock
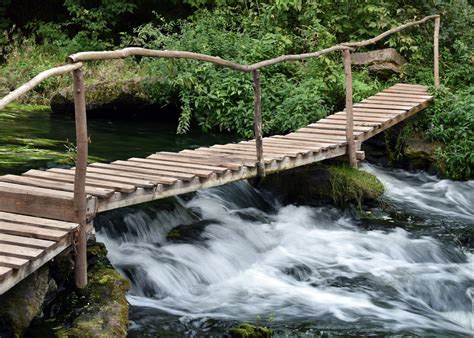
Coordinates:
(124,98)
(321,182)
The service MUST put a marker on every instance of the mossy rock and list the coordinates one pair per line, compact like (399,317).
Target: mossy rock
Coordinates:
(22,303)
(124,98)
(103,308)
(333,183)
(353,186)
(245,330)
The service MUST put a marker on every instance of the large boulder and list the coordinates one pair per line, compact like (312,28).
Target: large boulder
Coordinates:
(334,183)
(24,302)
(382,62)
(124,98)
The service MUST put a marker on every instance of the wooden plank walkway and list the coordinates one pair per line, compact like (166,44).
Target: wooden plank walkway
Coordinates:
(49,194)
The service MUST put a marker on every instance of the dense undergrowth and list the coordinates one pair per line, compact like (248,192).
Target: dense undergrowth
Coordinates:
(243,31)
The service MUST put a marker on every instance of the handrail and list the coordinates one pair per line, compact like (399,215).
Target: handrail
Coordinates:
(75,66)
(15,94)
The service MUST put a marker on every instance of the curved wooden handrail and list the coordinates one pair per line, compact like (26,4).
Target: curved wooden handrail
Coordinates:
(15,94)
(176,54)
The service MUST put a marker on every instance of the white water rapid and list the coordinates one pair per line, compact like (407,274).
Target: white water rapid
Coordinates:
(233,253)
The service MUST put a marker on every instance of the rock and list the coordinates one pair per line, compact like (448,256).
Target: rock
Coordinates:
(22,303)
(245,330)
(99,310)
(104,308)
(125,98)
(321,182)
(420,154)
(383,62)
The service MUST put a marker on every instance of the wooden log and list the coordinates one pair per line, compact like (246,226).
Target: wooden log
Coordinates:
(436,50)
(12,96)
(131,51)
(257,124)
(349,117)
(80,266)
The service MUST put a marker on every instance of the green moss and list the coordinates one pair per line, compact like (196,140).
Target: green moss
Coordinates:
(101,309)
(245,330)
(351,185)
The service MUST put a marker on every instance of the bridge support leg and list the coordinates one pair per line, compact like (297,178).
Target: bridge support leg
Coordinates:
(437,21)
(351,148)
(257,123)
(80,268)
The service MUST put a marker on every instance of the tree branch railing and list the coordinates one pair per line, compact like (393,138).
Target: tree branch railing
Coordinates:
(75,67)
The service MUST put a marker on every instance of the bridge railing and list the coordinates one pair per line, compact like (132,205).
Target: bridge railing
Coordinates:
(75,66)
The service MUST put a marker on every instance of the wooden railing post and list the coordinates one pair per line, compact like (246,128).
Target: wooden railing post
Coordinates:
(80,269)
(349,111)
(437,21)
(257,123)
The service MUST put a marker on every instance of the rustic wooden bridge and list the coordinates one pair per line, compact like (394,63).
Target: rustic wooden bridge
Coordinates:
(44,212)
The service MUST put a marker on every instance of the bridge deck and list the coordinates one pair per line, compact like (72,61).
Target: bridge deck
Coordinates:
(49,194)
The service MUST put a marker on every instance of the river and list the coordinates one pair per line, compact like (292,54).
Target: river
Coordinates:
(202,262)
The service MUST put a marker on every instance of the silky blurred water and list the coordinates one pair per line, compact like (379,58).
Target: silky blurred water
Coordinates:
(234,254)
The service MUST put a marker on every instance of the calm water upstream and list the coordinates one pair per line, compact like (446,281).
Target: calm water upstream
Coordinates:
(200,263)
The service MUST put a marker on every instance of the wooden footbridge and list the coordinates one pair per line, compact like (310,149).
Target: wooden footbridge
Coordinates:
(44,212)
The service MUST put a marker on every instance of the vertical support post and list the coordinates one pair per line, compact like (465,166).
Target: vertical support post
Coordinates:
(257,123)
(80,203)
(437,21)
(349,110)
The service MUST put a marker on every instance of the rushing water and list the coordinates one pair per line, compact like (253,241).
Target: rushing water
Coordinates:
(200,263)
(235,254)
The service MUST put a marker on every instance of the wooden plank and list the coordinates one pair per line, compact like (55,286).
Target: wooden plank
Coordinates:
(306,146)
(382,106)
(25,241)
(325,144)
(109,178)
(319,138)
(358,118)
(334,126)
(400,90)
(126,188)
(239,150)
(218,158)
(194,171)
(307,143)
(245,156)
(279,148)
(392,101)
(317,130)
(20,251)
(191,165)
(31,231)
(36,221)
(342,122)
(269,151)
(157,174)
(410,85)
(12,262)
(150,167)
(403,96)
(5,272)
(35,182)
(97,168)
(179,157)
(33,201)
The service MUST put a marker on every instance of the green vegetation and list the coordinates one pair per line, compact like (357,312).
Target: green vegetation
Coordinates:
(245,330)
(293,94)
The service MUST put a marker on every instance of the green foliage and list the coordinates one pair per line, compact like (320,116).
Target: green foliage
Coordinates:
(451,121)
